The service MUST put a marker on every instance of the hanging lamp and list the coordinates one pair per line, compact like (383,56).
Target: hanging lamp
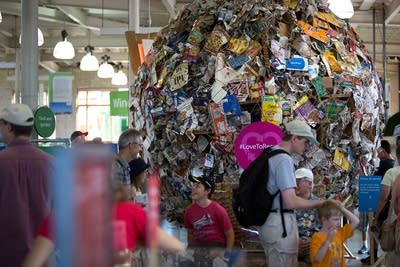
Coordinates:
(343,9)
(119,78)
(105,70)
(89,62)
(64,49)
(40,38)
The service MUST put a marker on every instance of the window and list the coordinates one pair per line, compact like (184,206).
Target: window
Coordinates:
(93,116)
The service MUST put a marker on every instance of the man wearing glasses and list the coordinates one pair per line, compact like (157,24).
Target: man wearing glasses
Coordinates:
(130,144)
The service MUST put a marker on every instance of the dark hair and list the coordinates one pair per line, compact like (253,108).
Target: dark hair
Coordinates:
(286,136)
(398,151)
(19,130)
(212,189)
(386,146)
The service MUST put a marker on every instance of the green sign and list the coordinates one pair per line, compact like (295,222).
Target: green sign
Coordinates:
(45,122)
(119,103)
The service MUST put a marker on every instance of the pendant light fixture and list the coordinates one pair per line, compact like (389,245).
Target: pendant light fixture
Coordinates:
(343,9)
(40,38)
(89,62)
(105,70)
(119,77)
(64,49)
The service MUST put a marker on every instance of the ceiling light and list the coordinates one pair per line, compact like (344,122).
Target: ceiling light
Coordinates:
(343,9)
(64,49)
(1,17)
(40,39)
(119,77)
(89,62)
(105,69)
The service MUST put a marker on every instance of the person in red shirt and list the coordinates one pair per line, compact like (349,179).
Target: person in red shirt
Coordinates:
(207,221)
(133,215)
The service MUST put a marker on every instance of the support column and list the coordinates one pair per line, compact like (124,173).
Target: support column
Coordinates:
(29,60)
(385,92)
(134,15)
(134,24)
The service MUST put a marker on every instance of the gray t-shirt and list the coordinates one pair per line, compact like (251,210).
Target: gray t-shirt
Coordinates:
(281,175)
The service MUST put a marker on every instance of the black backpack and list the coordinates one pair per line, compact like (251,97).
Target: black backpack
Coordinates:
(251,201)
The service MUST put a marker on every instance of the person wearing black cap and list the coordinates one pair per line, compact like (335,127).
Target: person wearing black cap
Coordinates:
(138,171)
(206,220)
(78,138)
(24,178)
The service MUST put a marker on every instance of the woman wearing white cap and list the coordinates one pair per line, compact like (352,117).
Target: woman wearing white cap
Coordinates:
(307,219)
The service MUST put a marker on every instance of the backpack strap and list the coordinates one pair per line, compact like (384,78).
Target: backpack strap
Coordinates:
(273,152)
(284,234)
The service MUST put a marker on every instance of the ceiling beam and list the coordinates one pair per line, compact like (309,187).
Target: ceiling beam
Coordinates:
(6,42)
(122,30)
(6,33)
(114,57)
(392,11)
(74,14)
(170,6)
(96,41)
(366,4)
(50,66)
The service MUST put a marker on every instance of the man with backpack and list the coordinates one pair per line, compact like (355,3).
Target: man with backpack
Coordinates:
(279,233)
(384,196)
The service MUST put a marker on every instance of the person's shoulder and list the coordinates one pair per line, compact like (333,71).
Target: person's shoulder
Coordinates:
(389,163)
(129,205)
(390,175)
(192,208)
(216,204)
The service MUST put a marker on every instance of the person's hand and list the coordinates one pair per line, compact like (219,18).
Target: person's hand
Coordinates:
(331,233)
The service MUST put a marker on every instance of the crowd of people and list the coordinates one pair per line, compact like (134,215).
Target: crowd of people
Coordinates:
(314,230)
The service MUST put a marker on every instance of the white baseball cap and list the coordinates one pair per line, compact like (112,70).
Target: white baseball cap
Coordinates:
(302,129)
(18,114)
(304,173)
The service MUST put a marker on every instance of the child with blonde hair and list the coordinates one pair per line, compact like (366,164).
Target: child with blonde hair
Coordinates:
(326,248)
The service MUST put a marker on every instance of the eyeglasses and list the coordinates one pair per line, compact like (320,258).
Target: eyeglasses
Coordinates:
(140,144)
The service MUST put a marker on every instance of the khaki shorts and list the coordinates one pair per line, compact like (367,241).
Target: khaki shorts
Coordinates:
(278,250)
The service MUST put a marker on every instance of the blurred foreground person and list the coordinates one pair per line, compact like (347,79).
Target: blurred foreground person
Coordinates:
(134,216)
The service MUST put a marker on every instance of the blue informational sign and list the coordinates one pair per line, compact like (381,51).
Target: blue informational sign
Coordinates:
(60,92)
(368,193)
